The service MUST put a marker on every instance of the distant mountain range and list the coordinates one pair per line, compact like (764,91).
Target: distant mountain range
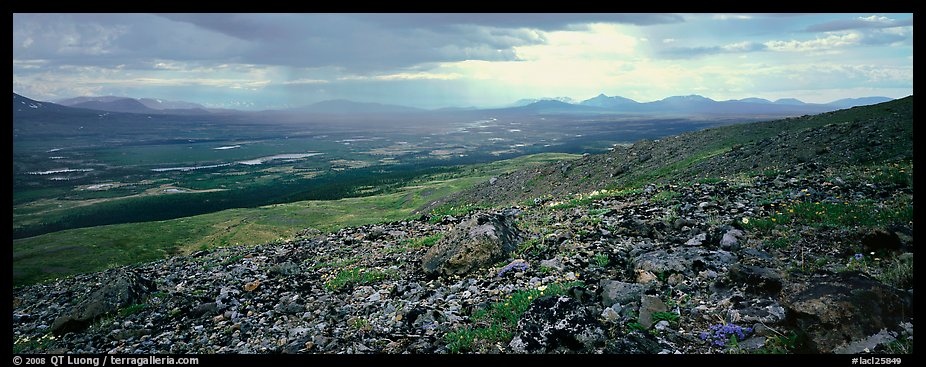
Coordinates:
(527,101)
(687,105)
(601,104)
(132,105)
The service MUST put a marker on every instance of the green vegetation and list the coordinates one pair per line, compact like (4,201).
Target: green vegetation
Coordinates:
(497,322)
(903,345)
(133,309)
(664,197)
(781,344)
(635,326)
(602,260)
(898,273)
(782,242)
(415,243)
(710,180)
(360,324)
(356,276)
(598,212)
(425,242)
(845,214)
(671,317)
(531,246)
(41,343)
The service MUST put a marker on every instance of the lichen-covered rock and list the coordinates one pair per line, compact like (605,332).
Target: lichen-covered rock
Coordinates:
(835,310)
(477,242)
(557,325)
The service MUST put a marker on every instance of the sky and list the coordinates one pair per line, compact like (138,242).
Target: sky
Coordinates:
(270,61)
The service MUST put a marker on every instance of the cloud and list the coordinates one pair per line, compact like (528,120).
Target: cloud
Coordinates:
(539,21)
(869,22)
(684,52)
(731,17)
(818,44)
(304,81)
(404,76)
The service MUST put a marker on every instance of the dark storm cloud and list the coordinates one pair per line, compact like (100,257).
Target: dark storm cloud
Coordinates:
(859,23)
(359,43)
(371,42)
(109,40)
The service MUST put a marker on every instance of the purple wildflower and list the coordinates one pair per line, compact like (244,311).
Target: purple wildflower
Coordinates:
(719,334)
(517,265)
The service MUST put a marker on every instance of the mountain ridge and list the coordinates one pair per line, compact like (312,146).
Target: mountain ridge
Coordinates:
(601,104)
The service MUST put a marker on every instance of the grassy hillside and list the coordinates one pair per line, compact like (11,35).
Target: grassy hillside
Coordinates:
(95,248)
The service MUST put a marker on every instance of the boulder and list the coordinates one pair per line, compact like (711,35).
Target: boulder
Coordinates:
(123,289)
(480,241)
(838,310)
(615,291)
(557,325)
(686,260)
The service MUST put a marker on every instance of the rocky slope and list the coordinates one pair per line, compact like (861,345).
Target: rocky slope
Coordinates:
(802,256)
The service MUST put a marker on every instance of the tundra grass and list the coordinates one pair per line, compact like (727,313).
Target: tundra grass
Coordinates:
(81,250)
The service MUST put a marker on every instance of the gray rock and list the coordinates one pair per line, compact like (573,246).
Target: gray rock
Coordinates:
(477,242)
(283,269)
(753,343)
(766,311)
(648,306)
(661,325)
(730,240)
(697,240)
(615,291)
(290,308)
(205,309)
(375,233)
(610,315)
